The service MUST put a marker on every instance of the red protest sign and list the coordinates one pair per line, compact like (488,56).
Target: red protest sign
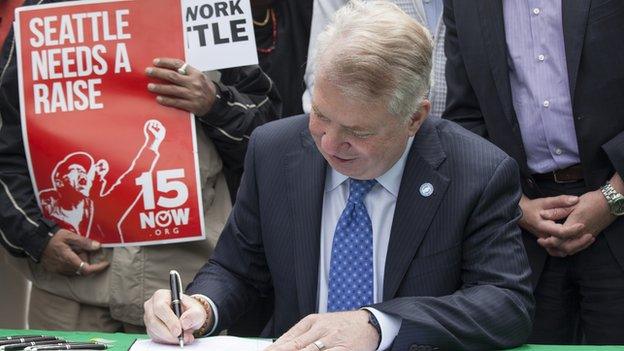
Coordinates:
(106,160)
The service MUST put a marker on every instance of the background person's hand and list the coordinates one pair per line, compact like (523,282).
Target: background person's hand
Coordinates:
(556,208)
(66,251)
(592,213)
(193,92)
(162,324)
(339,331)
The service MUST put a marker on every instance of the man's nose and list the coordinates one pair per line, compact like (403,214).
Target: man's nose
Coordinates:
(334,142)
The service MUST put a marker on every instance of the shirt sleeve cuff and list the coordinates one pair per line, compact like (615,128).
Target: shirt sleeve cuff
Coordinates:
(215,312)
(389,325)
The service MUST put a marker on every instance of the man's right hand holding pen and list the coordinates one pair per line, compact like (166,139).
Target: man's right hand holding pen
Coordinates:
(162,324)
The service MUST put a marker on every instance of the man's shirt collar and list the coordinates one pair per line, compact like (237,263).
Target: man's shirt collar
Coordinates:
(391,180)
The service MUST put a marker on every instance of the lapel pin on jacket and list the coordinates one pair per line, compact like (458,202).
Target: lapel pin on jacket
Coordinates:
(426,189)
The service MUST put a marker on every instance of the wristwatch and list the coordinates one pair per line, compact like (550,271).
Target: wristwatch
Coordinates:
(372,320)
(615,200)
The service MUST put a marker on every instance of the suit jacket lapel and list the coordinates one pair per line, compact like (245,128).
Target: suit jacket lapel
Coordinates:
(574,20)
(414,212)
(305,169)
(493,27)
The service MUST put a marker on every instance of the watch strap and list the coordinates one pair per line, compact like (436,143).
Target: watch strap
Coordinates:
(372,320)
(612,196)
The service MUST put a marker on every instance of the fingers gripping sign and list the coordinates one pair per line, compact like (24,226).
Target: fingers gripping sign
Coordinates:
(181,86)
(182,69)
(67,253)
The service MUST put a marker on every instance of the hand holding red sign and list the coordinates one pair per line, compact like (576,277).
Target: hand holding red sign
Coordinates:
(67,253)
(82,86)
(193,92)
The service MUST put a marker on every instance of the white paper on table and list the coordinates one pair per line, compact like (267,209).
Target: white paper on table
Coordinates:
(212,343)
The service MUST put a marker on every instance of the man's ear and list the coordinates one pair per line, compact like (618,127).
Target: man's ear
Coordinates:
(419,117)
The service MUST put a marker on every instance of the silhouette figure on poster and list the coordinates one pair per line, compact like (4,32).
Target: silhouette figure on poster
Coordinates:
(80,199)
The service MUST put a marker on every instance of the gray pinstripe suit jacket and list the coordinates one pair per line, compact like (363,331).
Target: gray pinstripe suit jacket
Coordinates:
(456,270)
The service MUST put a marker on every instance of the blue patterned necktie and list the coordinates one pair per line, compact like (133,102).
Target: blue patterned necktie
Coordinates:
(351,267)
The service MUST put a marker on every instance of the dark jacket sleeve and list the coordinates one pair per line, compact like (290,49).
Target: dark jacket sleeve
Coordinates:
(614,149)
(236,284)
(23,230)
(246,98)
(462,105)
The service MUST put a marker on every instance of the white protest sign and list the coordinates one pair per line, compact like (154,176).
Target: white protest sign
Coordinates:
(218,34)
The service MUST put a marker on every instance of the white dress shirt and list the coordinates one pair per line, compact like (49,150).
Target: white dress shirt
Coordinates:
(380,203)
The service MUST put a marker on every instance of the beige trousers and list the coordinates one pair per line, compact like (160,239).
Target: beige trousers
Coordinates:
(13,296)
(52,312)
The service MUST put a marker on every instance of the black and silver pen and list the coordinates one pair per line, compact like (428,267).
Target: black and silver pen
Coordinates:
(27,339)
(23,345)
(70,346)
(175,283)
(13,337)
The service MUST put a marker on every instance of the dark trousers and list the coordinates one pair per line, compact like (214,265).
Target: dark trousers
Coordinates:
(579,298)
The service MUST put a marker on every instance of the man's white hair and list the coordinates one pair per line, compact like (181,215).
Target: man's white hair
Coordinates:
(373,50)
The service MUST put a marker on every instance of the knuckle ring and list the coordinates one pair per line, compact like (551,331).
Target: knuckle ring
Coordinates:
(80,268)
(182,69)
(319,345)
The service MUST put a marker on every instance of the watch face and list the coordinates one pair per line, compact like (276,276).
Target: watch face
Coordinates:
(618,207)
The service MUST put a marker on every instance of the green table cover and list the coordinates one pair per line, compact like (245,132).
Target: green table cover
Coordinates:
(122,342)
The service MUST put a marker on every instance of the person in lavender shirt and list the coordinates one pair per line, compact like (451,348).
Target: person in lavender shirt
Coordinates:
(544,80)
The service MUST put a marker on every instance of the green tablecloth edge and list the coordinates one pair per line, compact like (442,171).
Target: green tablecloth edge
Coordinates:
(124,341)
